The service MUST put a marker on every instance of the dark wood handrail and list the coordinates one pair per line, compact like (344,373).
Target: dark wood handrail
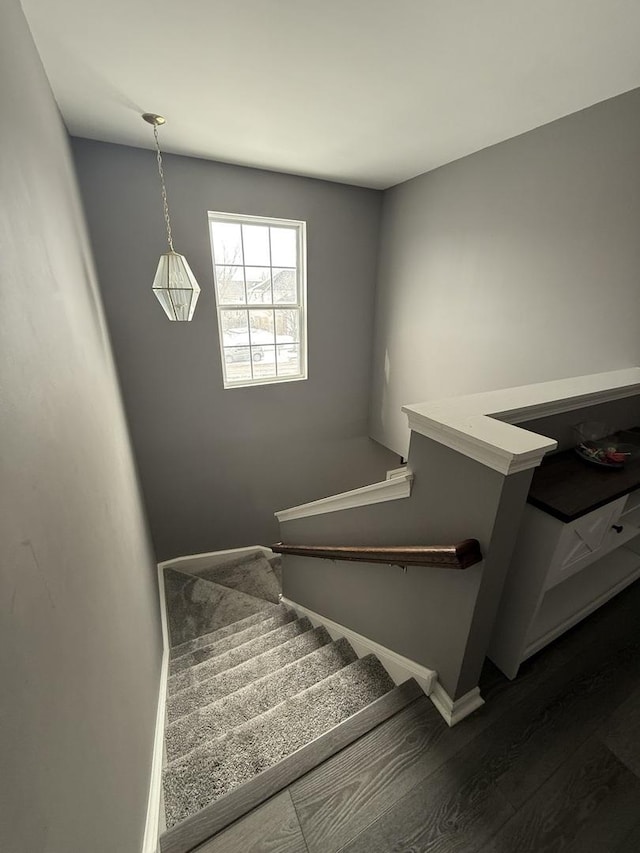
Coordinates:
(459,556)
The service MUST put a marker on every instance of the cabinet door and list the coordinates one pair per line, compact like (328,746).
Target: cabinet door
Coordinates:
(583,541)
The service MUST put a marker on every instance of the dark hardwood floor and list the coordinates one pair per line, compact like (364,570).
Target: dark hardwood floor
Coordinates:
(551,763)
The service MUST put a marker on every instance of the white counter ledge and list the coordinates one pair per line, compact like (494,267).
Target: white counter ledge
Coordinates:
(483,426)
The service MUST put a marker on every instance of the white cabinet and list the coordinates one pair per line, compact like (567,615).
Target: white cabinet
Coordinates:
(561,572)
(584,540)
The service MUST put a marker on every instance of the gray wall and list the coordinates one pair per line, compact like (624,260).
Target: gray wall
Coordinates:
(518,264)
(441,618)
(216,464)
(80,642)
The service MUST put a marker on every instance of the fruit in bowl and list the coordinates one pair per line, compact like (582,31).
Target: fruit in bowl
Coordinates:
(611,454)
(602,453)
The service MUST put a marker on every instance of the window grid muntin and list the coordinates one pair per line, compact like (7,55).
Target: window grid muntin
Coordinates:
(299,227)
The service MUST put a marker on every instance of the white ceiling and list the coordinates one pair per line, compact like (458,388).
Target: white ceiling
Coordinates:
(370,92)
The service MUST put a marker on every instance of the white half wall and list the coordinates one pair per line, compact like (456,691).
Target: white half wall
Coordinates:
(517,264)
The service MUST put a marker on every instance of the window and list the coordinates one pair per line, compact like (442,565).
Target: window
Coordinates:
(259,268)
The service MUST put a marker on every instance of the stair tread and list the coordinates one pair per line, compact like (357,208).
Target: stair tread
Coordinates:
(196,606)
(227,631)
(226,713)
(227,660)
(204,692)
(210,771)
(232,641)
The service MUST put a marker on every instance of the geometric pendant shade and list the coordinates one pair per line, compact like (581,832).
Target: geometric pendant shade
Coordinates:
(176,287)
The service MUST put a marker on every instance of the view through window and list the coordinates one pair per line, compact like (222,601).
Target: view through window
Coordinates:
(259,272)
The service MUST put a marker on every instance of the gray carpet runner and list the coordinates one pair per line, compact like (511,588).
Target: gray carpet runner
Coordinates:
(228,631)
(186,701)
(254,575)
(216,719)
(250,683)
(196,606)
(226,644)
(215,665)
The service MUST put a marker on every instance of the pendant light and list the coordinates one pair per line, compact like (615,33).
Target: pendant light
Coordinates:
(174,284)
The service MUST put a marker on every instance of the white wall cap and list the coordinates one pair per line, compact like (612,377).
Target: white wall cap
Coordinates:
(482,426)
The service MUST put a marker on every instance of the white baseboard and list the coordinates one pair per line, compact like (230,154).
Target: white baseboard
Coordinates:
(155,823)
(454,711)
(192,562)
(399,667)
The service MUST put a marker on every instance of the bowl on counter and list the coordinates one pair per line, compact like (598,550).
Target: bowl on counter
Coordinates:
(599,445)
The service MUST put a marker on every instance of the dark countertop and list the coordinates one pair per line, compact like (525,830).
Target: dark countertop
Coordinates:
(567,487)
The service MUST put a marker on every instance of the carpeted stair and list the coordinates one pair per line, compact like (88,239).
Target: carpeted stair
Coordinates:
(250,683)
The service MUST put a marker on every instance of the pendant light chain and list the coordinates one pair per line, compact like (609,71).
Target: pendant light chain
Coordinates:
(174,285)
(165,203)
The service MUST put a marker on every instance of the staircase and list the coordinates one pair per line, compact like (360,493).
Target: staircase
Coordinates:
(251,686)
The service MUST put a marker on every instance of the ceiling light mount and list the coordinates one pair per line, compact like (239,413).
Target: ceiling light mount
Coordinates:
(174,284)
(153,118)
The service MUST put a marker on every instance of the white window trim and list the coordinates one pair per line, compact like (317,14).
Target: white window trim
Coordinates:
(301,264)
